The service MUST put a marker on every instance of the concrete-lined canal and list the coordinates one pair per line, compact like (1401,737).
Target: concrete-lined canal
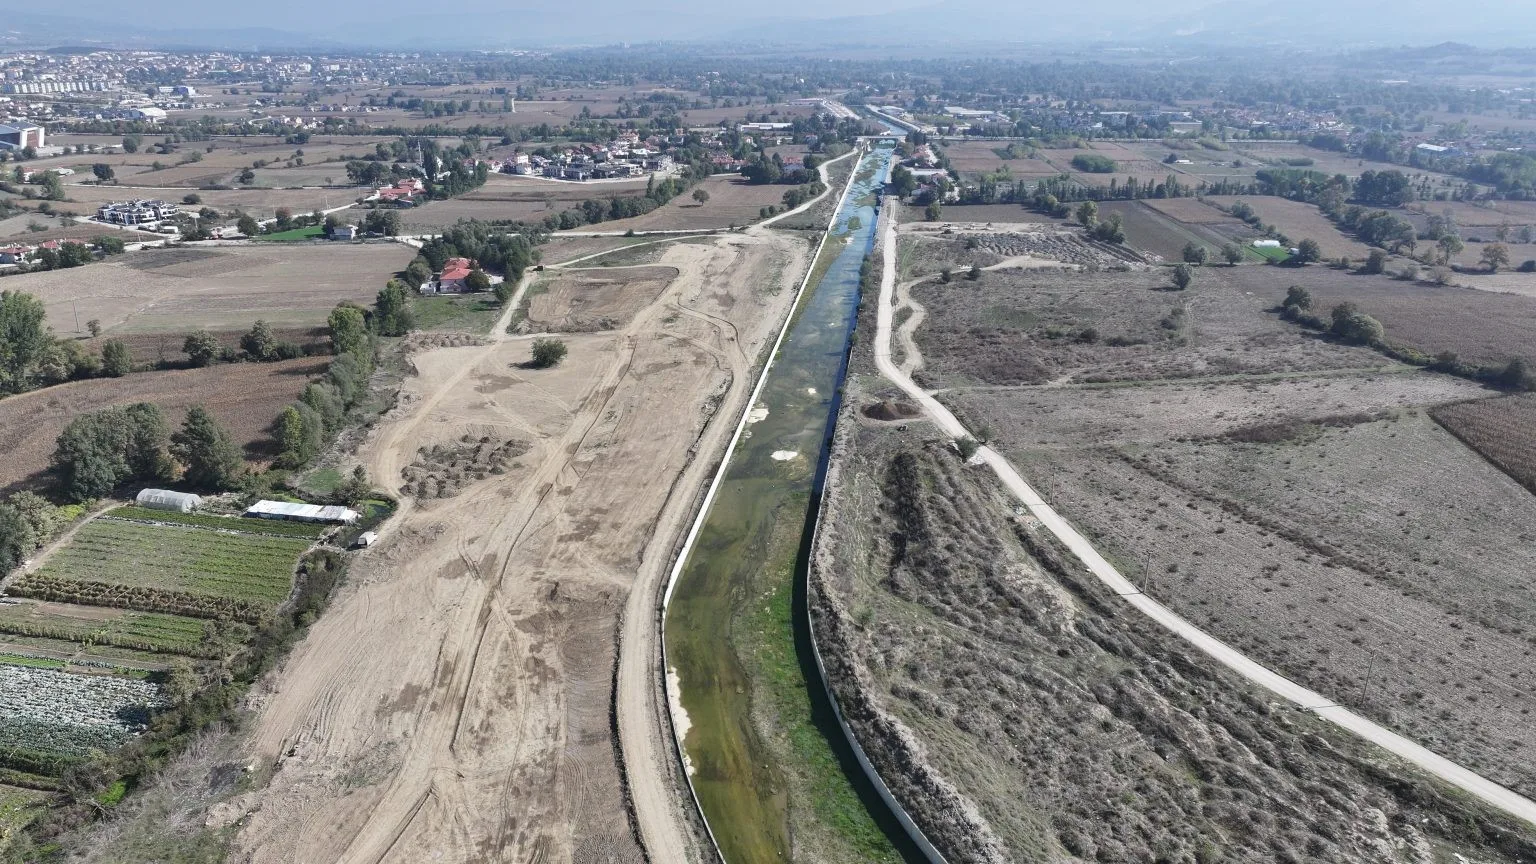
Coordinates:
(760,742)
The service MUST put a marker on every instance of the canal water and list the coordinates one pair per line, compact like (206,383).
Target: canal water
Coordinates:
(733,630)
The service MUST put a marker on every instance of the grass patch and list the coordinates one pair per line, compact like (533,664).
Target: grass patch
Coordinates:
(1277,254)
(293,234)
(475,314)
(324,481)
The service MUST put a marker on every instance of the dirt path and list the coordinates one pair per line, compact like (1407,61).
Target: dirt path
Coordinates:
(1457,775)
(456,703)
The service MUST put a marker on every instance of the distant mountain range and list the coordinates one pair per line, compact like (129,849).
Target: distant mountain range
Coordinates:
(94,23)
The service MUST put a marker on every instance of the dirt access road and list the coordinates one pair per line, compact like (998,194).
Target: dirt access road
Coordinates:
(456,702)
(1484,789)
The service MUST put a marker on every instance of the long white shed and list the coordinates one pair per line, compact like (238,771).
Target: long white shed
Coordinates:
(297,512)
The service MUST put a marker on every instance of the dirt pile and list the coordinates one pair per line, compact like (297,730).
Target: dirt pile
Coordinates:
(891,409)
(443,470)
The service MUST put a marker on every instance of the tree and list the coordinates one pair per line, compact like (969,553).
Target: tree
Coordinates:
(130,143)
(902,181)
(192,199)
(1088,214)
(1196,254)
(201,348)
(98,452)
(1308,252)
(547,352)
(393,309)
(933,211)
(974,274)
(1517,376)
(260,342)
(1495,255)
(1111,230)
(23,338)
(1375,263)
(356,488)
(477,281)
(967,447)
(349,329)
(946,274)
(247,176)
(109,245)
(211,457)
(103,171)
(1183,275)
(1297,298)
(283,220)
(116,361)
(1352,325)
(1450,246)
(504,291)
(700,195)
(1233,253)
(247,225)
(93,327)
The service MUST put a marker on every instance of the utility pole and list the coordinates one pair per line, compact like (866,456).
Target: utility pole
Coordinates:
(73,306)
(1365,689)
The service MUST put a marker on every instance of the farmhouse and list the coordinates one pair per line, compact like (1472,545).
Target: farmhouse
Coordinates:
(295,512)
(165,499)
(453,278)
(343,232)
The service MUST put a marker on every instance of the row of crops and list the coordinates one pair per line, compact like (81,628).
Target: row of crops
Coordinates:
(267,527)
(237,574)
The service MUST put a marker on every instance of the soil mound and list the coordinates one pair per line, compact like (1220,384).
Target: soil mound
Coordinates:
(891,409)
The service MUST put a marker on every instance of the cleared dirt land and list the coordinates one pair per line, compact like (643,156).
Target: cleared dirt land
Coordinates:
(246,397)
(1292,501)
(508,198)
(580,301)
(218,288)
(456,701)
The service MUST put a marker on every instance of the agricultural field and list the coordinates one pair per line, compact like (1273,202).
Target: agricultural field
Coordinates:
(983,157)
(732,202)
(176,569)
(99,625)
(587,300)
(1503,430)
(508,198)
(239,524)
(1479,326)
(46,714)
(1299,221)
(245,397)
(1032,326)
(1154,226)
(222,288)
(1016,710)
(32,228)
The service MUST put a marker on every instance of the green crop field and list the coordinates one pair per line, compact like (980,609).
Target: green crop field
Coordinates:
(272,527)
(312,232)
(164,568)
(143,631)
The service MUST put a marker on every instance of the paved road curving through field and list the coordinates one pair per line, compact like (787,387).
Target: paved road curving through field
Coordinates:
(1457,775)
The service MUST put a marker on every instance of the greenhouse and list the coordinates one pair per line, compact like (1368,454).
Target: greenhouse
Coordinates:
(165,499)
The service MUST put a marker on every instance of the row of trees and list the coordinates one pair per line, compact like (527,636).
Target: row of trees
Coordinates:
(100,452)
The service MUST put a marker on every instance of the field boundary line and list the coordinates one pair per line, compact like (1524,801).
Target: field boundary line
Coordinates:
(1457,775)
(674,700)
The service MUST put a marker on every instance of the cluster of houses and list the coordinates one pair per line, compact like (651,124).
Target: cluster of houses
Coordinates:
(16,253)
(142,211)
(626,156)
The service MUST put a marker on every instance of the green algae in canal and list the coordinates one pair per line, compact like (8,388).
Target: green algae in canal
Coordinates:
(730,628)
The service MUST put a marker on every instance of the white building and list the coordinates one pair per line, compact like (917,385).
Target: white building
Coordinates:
(295,512)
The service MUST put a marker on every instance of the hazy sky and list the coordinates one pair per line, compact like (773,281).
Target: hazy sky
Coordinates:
(493,23)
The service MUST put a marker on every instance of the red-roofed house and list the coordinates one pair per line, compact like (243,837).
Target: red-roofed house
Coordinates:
(407,189)
(452,279)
